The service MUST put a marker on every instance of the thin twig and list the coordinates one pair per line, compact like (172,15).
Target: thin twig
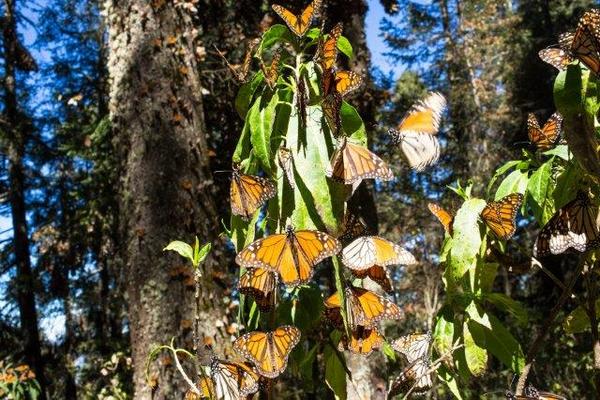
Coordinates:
(186,378)
(539,340)
(592,295)
(536,263)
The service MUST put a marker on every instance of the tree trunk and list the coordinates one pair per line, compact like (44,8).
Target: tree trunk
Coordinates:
(166,194)
(16,153)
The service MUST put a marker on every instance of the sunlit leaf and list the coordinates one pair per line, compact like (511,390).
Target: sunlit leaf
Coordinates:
(475,353)
(540,189)
(515,182)
(466,238)
(184,249)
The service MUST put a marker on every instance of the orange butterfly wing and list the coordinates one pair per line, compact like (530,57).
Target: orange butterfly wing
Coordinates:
(328,50)
(586,41)
(298,24)
(347,81)
(445,218)
(367,251)
(271,74)
(260,284)
(248,193)
(425,115)
(332,106)
(351,163)
(377,274)
(544,138)
(500,215)
(363,341)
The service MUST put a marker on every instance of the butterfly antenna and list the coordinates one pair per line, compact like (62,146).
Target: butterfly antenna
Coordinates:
(223,171)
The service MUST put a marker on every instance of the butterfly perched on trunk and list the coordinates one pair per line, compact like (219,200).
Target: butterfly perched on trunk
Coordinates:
(413,346)
(286,162)
(260,284)
(269,351)
(500,216)
(300,23)
(351,163)
(248,193)
(544,138)
(582,45)
(415,376)
(445,218)
(240,72)
(271,73)
(364,308)
(292,254)
(416,133)
(367,251)
(573,227)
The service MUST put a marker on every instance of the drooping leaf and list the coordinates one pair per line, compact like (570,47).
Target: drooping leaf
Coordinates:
(184,249)
(335,375)
(345,47)
(262,117)
(353,124)
(276,33)
(475,353)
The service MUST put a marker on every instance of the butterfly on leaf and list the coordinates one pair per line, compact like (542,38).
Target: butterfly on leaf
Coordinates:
(332,106)
(327,50)
(268,351)
(364,308)
(367,251)
(416,133)
(363,340)
(573,227)
(377,274)
(240,72)
(544,138)
(271,73)
(415,376)
(248,193)
(300,23)
(260,284)
(302,100)
(292,254)
(229,381)
(531,393)
(500,216)
(413,346)
(340,82)
(445,218)
(351,163)
(286,162)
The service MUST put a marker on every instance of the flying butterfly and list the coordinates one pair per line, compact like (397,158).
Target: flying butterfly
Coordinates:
(229,381)
(269,351)
(327,51)
(248,193)
(377,274)
(445,218)
(500,216)
(364,308)
(292,254)
(544,138)
(574,226)
(271,74)
(353,226)
(332,106)
(286,162)
(363,341)
(416,375)
(260,284)
(367,251)
(413,346)
(240,73)
(416,132)
(299,24)
(351,163)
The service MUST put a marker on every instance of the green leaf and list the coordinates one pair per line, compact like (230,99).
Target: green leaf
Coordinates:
(450,381)
(353,124)
(261,117)
(243,147)
(515,182)
(509,305)
(578,321)
(475,353)
(540,189)
(443,333)
(485,274)
(276,33)
(335,375)
(388,351)
(501,171)
(345,47)
(246,93)
(567,184)
(561,151)
(184,249)
(305,365)
(200,254)
(310,307)
(466,239)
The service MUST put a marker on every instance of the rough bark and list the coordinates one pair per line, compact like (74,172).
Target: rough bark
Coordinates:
(17,138)
(156,111)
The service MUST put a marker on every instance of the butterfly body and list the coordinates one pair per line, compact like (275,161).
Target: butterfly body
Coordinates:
(269,351)
(286,162)
(445,218)
(363,340)
(500,215)
(248,193)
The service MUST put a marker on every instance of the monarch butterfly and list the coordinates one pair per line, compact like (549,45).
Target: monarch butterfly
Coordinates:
(206,388)
(327,51)
(351,163)
(500,216)
(292,254)
(342,82)
(413,346)
(248,193)
(574,227)
(229,381)
(353,226)
(367,251)
(445,218)
(272,73)
(416,375)
(332,106)
(556,57)
(299,24)
(544,138)
(363,340)
(240,73)
(286,162)
(377,274)
(364,308)
(416,132)
(259,284)
(531,393)
(269,351)
(302,100)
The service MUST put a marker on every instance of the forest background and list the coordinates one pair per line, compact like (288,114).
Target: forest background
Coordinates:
(73,257)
